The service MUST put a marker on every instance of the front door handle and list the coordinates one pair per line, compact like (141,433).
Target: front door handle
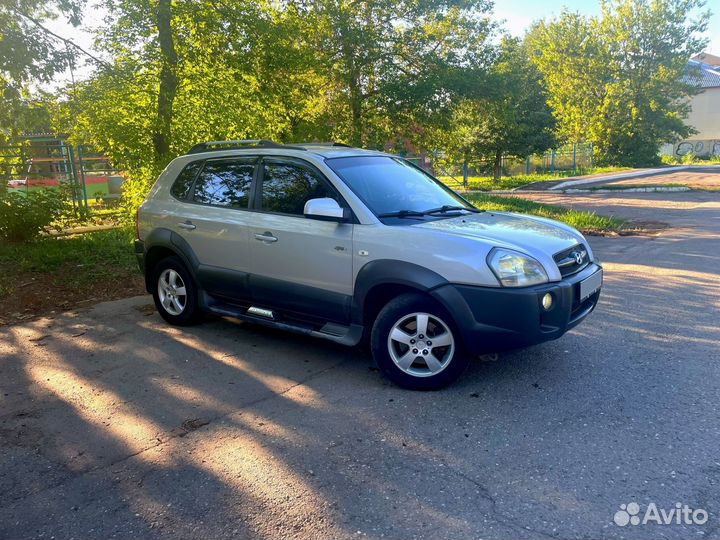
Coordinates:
(266,237)
(188,225)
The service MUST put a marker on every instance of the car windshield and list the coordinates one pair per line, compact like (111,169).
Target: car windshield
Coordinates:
(392,187)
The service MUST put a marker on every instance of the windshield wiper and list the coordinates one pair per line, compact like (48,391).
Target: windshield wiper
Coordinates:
(448,208)
(402,214)
(441,210)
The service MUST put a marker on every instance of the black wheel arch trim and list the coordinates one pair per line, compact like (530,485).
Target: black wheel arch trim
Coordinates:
(393,272)
(168,239)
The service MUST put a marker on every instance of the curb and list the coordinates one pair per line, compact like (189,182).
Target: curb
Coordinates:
(83,230)
(621,176)
(630,174)
(648,189)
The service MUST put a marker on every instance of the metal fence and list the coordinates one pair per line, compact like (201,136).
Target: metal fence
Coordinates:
(573,157)
(570,158)
(50,162)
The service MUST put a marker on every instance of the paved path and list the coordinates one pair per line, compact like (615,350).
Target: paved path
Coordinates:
(694,177)
(113,424)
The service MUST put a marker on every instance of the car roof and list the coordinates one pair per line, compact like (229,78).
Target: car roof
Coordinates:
(325,150)
(339,151)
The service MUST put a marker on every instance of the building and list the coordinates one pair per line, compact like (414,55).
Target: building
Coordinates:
(705,111)
(40,160)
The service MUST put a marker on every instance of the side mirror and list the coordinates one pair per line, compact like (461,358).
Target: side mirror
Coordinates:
(325,209)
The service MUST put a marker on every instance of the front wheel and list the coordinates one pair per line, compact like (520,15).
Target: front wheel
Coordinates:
(174,292)
(416,345)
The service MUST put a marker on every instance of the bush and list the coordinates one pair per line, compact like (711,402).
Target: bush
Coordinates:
(135,188)
(23,216)
(688,159)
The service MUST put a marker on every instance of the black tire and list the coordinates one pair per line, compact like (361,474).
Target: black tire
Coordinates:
(190,313)
(407,311)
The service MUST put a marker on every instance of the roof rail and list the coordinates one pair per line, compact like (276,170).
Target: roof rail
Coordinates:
(329,143)
(212,146)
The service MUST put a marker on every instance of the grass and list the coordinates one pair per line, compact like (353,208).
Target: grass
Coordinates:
(487,183)
(689,159)
(78,262)
(586,222)
(96,216)
(5,289)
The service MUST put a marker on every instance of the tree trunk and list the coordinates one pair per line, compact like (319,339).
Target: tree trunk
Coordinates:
(465,172)
(351,75)
(356,110)
(168,83)
(497,166)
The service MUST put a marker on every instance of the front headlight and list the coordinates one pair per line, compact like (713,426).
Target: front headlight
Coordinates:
(514,269)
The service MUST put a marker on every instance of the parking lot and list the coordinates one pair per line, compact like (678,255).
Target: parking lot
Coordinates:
(114,424)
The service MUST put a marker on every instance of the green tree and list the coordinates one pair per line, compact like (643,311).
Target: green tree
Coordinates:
(236,70)
(295,71)
(508,116)
(385,58)
(30,52)
(621,80)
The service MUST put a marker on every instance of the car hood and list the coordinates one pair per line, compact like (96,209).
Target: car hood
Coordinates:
(534,235)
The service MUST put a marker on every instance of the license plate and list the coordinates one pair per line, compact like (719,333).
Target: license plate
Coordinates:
(591,285)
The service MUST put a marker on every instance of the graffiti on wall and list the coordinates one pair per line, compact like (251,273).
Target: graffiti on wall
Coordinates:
(698,148)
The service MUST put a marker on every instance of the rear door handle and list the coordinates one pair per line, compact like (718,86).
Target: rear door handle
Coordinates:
(266,237)
(188,225)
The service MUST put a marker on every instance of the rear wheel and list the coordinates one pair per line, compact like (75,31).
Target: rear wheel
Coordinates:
(416,345)
(174,292)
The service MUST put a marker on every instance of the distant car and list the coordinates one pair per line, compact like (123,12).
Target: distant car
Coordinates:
(342,243)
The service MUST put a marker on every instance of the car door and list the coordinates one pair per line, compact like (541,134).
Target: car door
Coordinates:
(214,221)
(298,264)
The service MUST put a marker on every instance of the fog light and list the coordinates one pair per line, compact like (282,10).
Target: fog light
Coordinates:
(547,301)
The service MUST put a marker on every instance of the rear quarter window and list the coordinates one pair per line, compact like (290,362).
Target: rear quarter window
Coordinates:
(183,183)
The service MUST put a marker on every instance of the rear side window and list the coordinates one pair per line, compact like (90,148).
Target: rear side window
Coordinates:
(183,182)
(287,187)
(224,183)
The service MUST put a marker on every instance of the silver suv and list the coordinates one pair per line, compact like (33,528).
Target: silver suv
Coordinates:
(349,245)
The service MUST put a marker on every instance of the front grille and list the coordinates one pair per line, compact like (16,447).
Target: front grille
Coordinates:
(567,260)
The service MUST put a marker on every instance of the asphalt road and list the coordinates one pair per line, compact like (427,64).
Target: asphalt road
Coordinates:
(114,425)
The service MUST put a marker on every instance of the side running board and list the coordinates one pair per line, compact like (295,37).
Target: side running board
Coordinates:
(345,335)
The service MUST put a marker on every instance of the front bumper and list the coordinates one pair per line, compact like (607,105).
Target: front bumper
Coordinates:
(497,318)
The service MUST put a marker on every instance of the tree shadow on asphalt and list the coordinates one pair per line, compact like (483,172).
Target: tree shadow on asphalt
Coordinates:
(92,407)
(223,427)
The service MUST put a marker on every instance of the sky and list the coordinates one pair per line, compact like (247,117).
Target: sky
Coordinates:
(520,14)
(517,16)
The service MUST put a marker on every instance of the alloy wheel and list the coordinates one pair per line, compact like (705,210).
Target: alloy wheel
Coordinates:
(172,292)
(421,344)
